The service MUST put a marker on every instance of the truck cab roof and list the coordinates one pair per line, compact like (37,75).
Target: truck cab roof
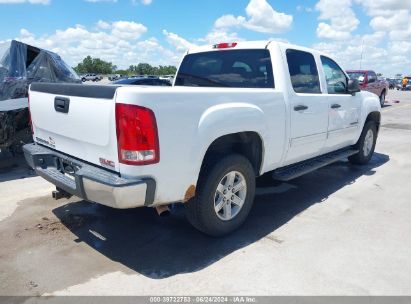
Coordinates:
(244,45)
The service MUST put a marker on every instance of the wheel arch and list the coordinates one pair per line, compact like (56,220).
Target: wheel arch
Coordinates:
(248,143)
(374,116)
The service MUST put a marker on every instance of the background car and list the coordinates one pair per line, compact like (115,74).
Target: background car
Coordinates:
(398,84)
(144,81)
(370,82)
(169,78)
(391,82)
(90,77)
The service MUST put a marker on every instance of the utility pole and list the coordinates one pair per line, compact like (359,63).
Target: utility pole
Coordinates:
(362,52)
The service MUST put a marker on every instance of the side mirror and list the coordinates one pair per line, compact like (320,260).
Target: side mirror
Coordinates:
(353,86)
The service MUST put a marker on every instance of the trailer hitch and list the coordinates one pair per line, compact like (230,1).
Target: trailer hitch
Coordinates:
(60,193)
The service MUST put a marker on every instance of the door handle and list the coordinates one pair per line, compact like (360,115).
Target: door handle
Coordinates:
(300,108)
(335,106)
(62,104)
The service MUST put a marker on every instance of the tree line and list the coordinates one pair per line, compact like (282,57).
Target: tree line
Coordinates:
(98,66)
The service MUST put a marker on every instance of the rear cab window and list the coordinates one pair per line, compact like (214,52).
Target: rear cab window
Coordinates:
(303,72)
(230,69)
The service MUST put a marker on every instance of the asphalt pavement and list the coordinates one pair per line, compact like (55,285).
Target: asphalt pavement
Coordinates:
(342,230)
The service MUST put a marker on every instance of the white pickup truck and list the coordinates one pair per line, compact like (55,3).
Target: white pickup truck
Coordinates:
(235,112)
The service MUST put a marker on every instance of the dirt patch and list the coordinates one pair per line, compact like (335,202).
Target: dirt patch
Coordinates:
(38,245)
(69,222)
(274,239)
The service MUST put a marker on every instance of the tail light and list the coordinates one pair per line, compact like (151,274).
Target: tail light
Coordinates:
(137,135)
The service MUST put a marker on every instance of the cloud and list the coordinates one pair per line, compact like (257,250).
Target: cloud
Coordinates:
(143,2)
(103,25)
(44,2)
(261,17)
(385,50)
(341,17)
(119,42)
(128,30)
(180,44)
(301,8)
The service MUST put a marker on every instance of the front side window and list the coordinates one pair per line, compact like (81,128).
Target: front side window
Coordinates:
(230,69)
(303,72)
(372,77)
(335,77)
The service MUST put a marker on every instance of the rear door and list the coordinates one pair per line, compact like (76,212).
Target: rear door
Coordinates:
(309,107)
(344,108)
(77,120)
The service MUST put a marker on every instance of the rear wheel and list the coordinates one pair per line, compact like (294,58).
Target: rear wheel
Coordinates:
(366,145)
(224,198)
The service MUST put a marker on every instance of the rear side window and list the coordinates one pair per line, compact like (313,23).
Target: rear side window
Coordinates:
(303,72)
(231,69)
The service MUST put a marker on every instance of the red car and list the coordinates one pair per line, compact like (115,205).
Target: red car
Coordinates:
(369,82)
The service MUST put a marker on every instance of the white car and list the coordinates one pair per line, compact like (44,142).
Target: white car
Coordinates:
(90,77)
(235,112)
(169,78)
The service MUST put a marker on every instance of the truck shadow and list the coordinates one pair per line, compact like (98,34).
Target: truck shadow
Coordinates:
(162,247)
(13,168)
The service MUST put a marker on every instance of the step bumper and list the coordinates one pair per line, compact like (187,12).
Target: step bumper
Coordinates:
(89,182)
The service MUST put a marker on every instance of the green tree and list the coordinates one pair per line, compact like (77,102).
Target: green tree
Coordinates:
(147,69)
(98,66)
(95,65)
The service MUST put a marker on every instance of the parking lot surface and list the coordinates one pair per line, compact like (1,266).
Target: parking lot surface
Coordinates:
(342,230)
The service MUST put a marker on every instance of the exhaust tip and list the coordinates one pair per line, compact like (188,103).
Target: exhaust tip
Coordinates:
(163,211)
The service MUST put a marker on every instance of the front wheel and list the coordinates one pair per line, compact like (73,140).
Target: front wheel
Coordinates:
(366,145)
(224,198)
(382,99)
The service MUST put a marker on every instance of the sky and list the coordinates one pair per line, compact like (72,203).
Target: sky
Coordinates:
(127,32)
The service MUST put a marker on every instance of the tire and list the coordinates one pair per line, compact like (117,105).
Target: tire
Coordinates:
(201,211)
(382,98)
(365,145)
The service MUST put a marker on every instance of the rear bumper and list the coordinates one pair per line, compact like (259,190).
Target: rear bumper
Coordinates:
(89,182)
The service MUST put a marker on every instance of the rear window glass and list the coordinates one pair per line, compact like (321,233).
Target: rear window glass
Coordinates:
(232,69)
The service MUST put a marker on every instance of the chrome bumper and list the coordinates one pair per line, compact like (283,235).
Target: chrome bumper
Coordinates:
(89,182)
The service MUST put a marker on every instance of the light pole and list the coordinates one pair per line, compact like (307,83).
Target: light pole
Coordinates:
(362,52)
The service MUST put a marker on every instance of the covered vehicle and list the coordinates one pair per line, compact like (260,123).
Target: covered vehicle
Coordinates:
(21,65)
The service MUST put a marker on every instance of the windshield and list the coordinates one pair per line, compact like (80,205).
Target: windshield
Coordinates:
(360,76)
(230,69)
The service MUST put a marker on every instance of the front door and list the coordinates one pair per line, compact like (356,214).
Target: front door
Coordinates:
(344,108)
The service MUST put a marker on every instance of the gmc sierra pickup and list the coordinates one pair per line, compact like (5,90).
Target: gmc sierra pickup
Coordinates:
(234,112)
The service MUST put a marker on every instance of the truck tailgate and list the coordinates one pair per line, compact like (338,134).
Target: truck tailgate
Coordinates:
(78,120)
